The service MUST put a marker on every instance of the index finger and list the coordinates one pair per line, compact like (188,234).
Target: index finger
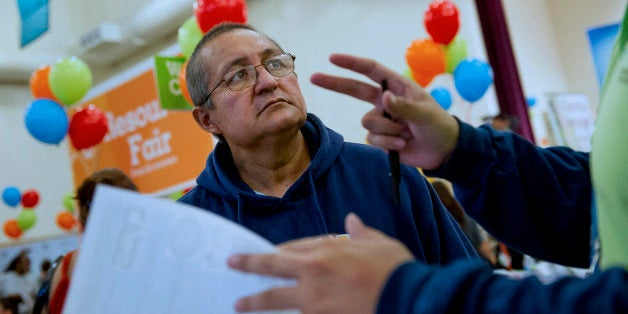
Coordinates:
(355,88)
(369,67)
(264,264)
(347,86)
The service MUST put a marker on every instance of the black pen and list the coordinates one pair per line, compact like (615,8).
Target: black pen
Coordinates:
(393,161)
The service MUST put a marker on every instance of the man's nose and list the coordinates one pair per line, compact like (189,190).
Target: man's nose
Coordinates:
(265,79)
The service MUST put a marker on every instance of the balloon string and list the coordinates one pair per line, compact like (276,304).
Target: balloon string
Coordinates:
(83,163)
(98,149)
(83,157)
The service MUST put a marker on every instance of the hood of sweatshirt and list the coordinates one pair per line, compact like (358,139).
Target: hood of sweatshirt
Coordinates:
(221,178)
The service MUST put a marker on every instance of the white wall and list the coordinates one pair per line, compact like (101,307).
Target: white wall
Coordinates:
(535,46)
(571,20)
(381,30)
(29,164)
(551,44)
(313,29)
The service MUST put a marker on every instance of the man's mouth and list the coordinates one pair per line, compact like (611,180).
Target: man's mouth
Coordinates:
(272,102)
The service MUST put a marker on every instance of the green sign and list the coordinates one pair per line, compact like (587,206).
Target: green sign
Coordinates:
(167,71)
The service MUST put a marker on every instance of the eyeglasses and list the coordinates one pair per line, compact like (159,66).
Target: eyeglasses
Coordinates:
(244,77)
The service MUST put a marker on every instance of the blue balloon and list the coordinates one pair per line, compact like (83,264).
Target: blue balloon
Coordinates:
(531,101)
(442,97)
(11,196)
(46,121)
(472,78)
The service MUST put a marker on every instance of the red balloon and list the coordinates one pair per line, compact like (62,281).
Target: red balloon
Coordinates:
(441,21)
(88,127)
(213,12)
(30,198)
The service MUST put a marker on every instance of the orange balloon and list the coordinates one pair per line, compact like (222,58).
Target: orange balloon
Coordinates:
(183,84)
(421,79)
(426,59)
(40,88)
(12,229)
(66,221)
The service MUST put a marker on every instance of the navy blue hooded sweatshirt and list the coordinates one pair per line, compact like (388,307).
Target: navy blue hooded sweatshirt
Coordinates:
(342,177)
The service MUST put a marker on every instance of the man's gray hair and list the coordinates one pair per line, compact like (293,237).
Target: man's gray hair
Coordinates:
(197,70)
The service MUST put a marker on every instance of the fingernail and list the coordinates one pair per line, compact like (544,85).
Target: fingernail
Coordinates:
(239,306)
(393,98)
(354,218)
(352,223)
(234,260)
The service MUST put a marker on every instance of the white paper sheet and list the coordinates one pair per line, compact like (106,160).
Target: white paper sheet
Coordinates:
(146,255)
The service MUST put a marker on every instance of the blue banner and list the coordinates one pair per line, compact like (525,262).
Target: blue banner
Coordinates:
(34,19)
(602,40)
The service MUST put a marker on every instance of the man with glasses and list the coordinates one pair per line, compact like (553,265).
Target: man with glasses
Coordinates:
(280,172)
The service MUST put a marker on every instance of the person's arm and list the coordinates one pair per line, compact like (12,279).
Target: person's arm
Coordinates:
(372,272)
(467,287)
(537,200)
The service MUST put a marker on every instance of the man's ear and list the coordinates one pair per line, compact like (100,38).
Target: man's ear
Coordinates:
(203,118)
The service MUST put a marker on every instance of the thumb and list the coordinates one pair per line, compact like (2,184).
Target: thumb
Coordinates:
(355,227)
(401,108)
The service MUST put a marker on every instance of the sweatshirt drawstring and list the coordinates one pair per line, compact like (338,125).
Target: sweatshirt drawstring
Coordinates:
(318,213)
(240,213)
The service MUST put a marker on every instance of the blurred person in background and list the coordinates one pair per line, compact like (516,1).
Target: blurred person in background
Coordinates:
(63,273)
(9,305)
(503,122)
(43,271)
(17,282)
(483,243)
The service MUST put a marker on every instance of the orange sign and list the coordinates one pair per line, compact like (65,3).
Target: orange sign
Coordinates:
(159,149)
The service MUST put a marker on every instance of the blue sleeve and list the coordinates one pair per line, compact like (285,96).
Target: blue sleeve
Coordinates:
(537,200)
(467,287)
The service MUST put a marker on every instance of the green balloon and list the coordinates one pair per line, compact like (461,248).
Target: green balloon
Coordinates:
(455,52)
(70,79)
(26,219)
(189,35)
(68,202)
(408,74)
